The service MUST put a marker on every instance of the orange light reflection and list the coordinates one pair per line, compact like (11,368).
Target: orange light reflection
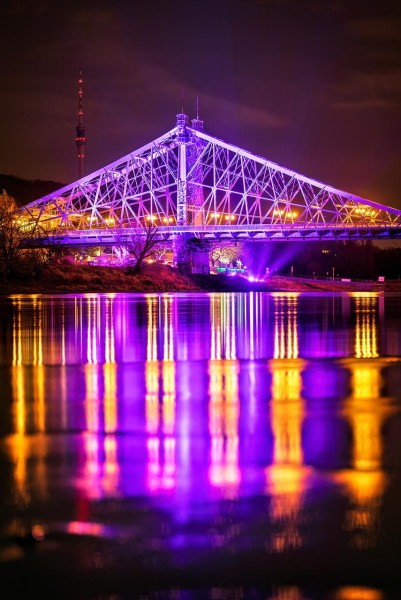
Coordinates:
(358,593)
(286,478)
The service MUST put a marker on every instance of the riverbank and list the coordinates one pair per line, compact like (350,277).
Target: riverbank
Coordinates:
(68,278)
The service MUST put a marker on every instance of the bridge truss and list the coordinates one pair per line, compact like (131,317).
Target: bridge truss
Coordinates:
(188,182)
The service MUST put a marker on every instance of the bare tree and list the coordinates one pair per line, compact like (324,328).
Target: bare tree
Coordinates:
(141,245)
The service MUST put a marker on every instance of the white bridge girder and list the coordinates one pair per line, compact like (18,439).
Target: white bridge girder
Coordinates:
(107,237)
(187,182)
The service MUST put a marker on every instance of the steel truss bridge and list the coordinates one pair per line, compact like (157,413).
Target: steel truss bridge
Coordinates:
(189,184)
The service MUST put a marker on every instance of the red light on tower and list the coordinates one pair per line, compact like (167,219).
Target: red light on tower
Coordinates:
(80,139)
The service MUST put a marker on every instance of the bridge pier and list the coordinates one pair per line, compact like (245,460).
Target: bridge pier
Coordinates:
(191,255)
(181,252)
(199,256)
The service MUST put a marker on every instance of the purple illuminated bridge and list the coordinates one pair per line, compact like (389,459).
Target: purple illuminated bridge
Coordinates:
(189,184)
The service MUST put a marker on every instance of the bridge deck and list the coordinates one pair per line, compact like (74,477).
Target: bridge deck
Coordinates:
(105,236)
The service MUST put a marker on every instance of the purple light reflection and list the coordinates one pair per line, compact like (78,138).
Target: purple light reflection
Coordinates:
(185,400)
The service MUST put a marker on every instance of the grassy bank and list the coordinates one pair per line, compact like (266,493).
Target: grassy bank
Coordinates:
(69,278)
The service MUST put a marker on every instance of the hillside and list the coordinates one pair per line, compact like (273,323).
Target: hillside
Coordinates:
(27,190)
(69,278)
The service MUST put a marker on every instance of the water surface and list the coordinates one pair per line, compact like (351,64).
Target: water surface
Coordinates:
(201,445)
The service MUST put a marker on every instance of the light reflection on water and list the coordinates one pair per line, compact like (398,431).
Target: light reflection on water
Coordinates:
(199,403)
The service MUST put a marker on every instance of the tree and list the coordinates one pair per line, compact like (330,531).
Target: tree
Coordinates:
(14,233)
(17,232)
(226,253)
(159,251)
(141,245)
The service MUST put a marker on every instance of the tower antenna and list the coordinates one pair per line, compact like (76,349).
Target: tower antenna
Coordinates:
(197,123)
(80,139)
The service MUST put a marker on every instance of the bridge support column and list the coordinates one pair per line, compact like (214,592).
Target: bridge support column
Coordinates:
(199,256)
(180,242)
(191,255)
(181,252)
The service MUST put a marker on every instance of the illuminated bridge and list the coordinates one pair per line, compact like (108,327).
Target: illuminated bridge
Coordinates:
(189,184)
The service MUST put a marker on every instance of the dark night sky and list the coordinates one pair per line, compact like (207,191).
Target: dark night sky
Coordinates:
(314,85)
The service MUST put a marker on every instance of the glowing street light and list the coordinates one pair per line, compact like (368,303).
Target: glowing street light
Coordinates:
(286,214)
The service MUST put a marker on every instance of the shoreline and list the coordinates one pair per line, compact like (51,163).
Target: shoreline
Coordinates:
(65,278)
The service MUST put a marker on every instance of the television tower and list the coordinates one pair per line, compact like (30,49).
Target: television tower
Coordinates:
(80,140)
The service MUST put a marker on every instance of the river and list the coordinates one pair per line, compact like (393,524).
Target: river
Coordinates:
(233,445)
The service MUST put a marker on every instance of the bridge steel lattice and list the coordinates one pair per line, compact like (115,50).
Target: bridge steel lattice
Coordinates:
(190,184)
